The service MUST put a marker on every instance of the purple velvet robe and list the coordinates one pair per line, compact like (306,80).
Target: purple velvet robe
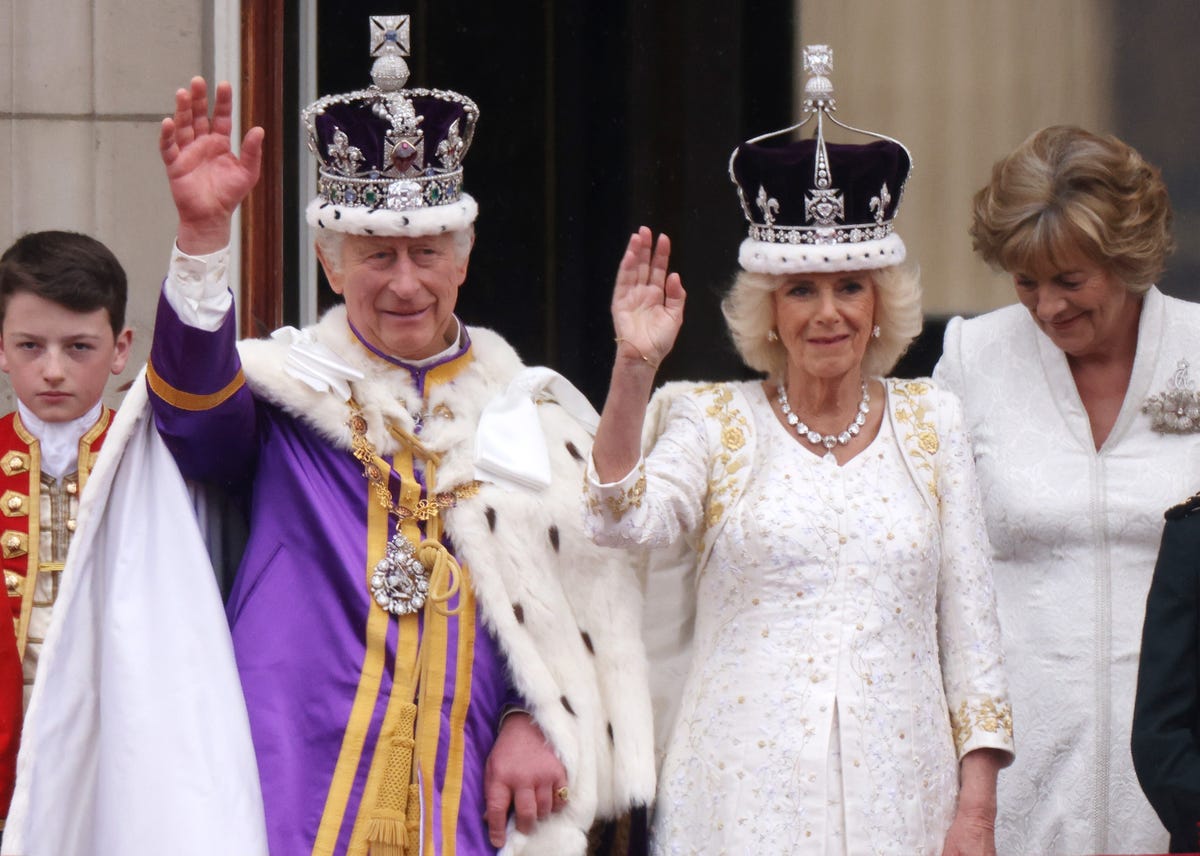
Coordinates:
(299,609)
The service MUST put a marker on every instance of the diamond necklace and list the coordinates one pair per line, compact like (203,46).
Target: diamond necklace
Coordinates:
(827,440)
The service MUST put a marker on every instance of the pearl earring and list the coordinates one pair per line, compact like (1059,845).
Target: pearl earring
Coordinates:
(772,336)
(876,332)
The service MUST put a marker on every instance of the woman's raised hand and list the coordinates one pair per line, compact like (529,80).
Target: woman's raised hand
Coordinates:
(647,305)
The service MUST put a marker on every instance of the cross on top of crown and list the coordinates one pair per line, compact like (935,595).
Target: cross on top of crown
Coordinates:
(818,60)
(390,33)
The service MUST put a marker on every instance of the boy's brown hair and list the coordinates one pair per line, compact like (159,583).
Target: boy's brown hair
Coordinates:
(73,270)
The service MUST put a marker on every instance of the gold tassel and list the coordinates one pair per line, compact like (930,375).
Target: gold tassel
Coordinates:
(390,826)
(387,835)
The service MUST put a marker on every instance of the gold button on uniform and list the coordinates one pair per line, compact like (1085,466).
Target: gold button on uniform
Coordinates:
(14,462)
(14,544)
(70,525)
(14,504)
(72,488)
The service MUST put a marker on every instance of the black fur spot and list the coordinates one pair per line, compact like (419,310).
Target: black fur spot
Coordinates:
(320,223)
(490,514)
(519,612)
(337,215)
(567,705)
(404,220)
(369,231)
(611,739)
(554,538)
(571,447)
(587,640)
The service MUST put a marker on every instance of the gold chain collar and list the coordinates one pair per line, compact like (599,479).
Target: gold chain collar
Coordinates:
(366,453)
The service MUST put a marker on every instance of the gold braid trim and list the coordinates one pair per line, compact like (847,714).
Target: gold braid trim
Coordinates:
(991,715)
(444,575)
(191,401)
(409,439)
(393,826)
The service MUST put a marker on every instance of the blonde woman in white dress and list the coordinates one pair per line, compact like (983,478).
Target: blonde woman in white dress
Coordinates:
(845,690)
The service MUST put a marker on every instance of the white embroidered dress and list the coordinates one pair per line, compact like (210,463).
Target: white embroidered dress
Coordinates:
(838,625)
(1075,533)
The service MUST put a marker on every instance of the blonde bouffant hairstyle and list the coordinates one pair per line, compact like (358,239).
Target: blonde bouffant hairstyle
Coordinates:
(749,309)
(1066,190)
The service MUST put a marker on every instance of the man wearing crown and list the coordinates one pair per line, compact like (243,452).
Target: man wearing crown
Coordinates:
(433,657)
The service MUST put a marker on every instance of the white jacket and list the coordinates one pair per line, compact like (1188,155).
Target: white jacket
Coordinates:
(1074,533)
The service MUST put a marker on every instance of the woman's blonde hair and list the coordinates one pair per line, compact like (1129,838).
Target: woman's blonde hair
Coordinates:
(749,309)
(1067,190)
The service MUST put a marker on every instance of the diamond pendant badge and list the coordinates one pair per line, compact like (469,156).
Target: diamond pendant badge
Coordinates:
(399,583)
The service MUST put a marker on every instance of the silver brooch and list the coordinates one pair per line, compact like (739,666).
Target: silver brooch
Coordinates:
(399,583)
(1177,410)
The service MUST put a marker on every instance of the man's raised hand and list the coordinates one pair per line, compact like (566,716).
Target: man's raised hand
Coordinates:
(208,181)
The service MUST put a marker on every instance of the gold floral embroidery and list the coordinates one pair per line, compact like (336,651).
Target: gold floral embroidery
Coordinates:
(630,498)
(722,484)
(992,715)
(921,441)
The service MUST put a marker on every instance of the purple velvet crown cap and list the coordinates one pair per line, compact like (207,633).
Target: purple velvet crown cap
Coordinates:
(367,128)
(816,206)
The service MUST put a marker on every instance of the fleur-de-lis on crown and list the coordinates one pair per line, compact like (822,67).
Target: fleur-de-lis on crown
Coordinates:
(767,205)
(345,156)
(879,204)
(449,150)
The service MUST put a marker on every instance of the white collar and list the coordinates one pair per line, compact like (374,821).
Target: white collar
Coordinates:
(59,441)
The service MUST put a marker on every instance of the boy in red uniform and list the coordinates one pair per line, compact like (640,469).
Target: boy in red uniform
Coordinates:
(62,333)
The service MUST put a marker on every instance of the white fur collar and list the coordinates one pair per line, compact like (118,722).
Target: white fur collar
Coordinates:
(386,394)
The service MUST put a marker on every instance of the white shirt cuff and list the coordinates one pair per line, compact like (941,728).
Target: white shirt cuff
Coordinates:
(197,287)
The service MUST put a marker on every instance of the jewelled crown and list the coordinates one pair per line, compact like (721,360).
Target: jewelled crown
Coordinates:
(815,206)
(390,159)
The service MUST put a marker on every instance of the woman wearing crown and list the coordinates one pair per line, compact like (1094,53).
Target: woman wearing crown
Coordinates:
(844,691)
